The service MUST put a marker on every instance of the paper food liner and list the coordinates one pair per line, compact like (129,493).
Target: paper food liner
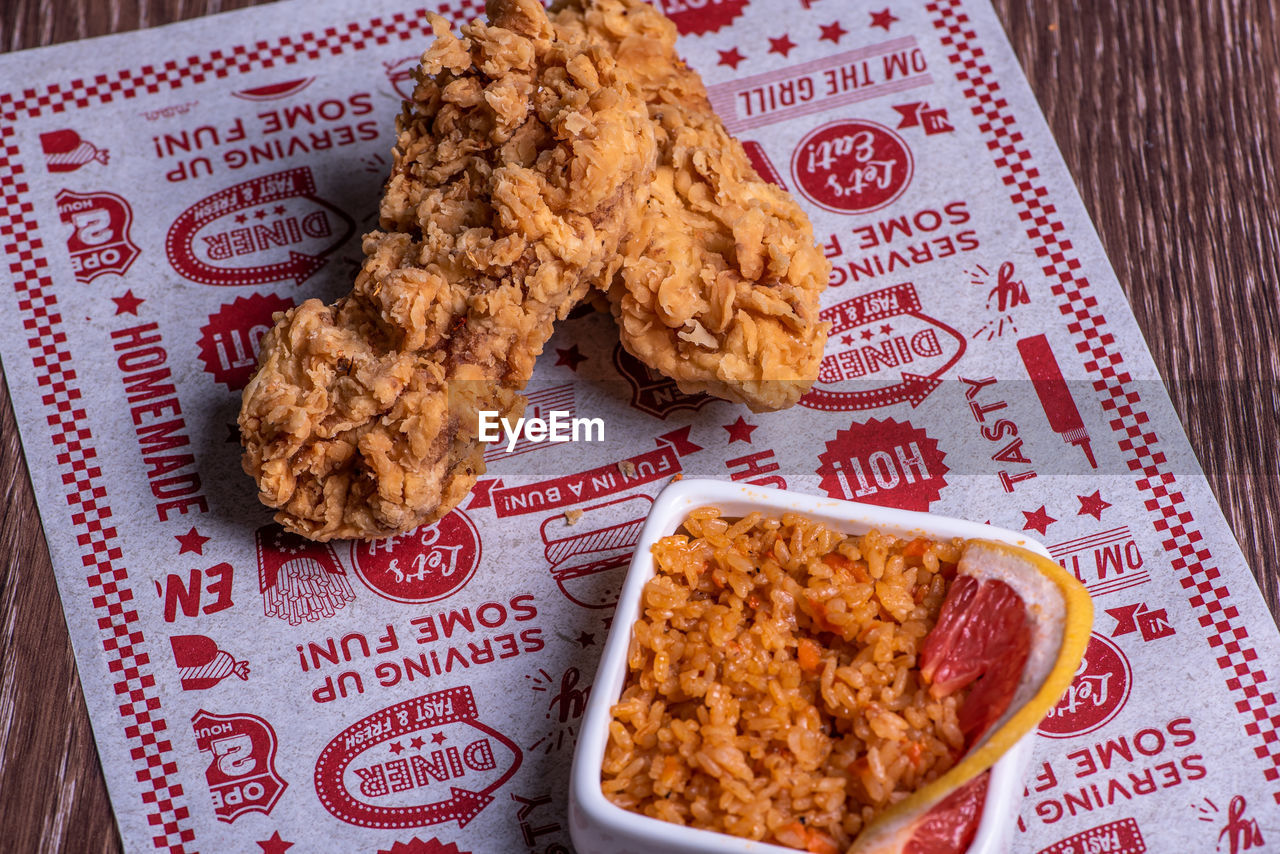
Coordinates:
(168,191)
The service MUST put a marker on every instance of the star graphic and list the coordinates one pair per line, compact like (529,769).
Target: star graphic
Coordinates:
(1038,520)
(570,358)
(883,19)
(191,541)
(1093,505)
(847,340)
(127,304)
(260,214)
(242,218)
(832,32)
(730,58)
(585,640)
(740,430)
(397,748)
(417,742)
(274,845)
(438,738)
(886,329)
(867,335)
(783,45)
(279,210)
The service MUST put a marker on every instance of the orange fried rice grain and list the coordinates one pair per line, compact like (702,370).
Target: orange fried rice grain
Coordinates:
(773,691)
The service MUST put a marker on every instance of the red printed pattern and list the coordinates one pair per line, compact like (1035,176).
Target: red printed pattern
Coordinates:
(144,728)
(1191,561)
(287,50)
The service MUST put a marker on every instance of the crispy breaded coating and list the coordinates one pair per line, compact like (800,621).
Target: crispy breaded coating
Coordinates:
(720,285)
(516,173)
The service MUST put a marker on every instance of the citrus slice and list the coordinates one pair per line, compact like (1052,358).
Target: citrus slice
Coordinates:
(1014,626)
(950,826)
(983,636)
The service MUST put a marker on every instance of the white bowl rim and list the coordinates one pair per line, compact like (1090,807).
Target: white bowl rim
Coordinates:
(669,510)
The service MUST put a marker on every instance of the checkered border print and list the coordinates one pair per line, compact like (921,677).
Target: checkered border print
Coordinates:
(1191,561)
(145,731)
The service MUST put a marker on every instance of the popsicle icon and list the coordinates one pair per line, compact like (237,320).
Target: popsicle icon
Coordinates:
(1055,397)
(201,664)
(65,151)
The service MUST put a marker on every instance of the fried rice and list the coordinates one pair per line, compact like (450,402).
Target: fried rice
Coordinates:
(773,690)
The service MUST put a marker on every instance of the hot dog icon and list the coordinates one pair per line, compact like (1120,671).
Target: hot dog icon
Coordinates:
(589,555)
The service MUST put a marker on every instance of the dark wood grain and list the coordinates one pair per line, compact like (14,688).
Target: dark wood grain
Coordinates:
(1167,116)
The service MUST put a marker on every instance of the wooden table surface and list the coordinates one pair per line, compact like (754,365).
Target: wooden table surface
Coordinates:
(1167,116)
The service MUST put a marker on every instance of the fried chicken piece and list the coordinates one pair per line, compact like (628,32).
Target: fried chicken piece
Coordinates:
(517,168)
(720,286)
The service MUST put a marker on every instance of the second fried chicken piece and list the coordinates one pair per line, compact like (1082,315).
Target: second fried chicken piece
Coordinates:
(720,286)
(516,172)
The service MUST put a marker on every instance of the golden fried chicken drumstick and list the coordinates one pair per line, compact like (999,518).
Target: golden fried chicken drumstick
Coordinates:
(720,285)
(517,168)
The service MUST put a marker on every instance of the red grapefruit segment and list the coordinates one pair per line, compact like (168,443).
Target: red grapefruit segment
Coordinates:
(982,638)
(950,827)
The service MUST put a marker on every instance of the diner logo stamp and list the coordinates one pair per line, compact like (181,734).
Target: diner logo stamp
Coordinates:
(424,761)
(229,341)
(884,462)
(241,773)
(852,166)
(1097,694)
(877,338)
(268,229)
(99,242)
(425,565)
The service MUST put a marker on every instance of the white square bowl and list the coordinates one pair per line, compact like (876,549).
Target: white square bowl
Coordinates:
(596,825)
